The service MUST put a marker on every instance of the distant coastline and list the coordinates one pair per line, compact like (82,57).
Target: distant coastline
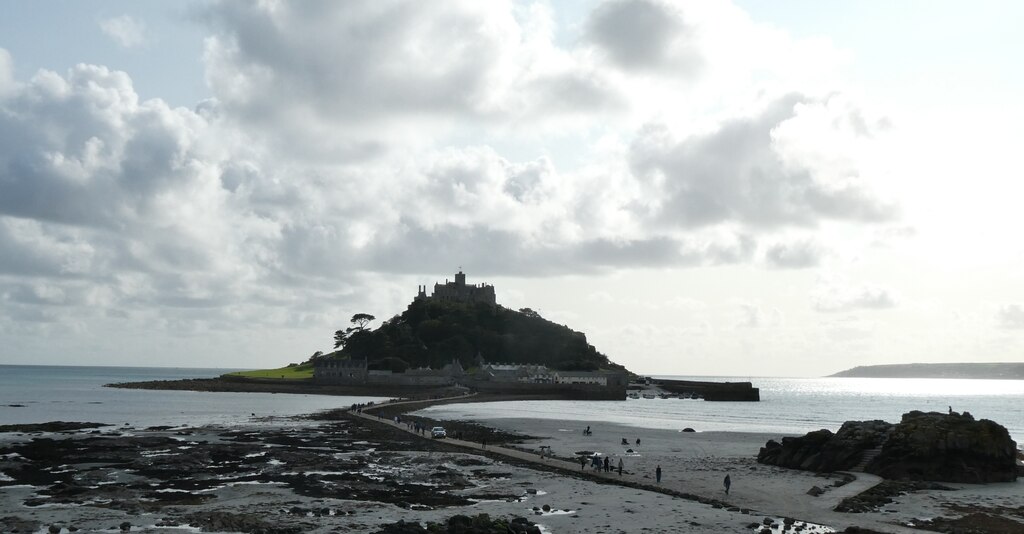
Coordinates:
(989,371)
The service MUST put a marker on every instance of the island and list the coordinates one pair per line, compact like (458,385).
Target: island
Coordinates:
(990,371)
(458,339)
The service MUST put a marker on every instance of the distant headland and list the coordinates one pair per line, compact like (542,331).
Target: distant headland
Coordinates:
(991,371)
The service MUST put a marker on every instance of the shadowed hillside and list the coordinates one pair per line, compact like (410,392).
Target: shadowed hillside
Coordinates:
(432,333)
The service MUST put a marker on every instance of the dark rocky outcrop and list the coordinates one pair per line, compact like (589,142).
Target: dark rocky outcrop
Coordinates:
(947,447)
(250,523)
(52,426)
(922,446)
(461,524)
(882,494)
(824,451)
(18,524)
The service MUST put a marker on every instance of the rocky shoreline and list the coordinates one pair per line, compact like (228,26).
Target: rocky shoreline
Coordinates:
(341,472)
(128,478)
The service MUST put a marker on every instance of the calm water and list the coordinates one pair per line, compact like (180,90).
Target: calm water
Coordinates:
(788,405)
(51,393)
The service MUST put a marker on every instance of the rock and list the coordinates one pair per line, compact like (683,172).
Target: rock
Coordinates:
(923,446)
(947,448)
(54,529)
(546,508)
(125,526)
(688,429)
(815,491)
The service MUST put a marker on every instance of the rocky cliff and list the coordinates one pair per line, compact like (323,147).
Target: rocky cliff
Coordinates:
(922,446)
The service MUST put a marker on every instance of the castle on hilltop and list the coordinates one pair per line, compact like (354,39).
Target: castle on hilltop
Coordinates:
(459,291)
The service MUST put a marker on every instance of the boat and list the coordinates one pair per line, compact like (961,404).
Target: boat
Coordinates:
(633,395)
(648,395)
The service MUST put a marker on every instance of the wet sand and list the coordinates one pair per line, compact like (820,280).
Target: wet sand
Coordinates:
(696,463)
(355,474)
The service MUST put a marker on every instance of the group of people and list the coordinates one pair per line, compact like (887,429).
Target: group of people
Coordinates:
(597,464)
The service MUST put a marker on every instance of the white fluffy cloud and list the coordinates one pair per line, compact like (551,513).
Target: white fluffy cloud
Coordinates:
(345,139)
(125,30)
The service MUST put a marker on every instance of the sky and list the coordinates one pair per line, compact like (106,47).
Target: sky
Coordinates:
(745,188)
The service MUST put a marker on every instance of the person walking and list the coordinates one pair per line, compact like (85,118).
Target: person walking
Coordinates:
(583,462)
(728,483)
(657,474)
(620,467)
(606,465)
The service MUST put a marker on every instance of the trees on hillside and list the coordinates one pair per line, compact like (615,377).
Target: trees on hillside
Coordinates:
(434,333)
(359,322)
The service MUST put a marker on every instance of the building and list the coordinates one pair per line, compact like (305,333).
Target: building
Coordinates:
(340,371)
(356,372)
(581,377)
(533,374)
(459,291)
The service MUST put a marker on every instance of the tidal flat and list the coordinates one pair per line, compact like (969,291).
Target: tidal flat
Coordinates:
(338,472)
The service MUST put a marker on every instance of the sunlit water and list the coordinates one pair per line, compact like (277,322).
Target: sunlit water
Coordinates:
(36,394)
(788,405)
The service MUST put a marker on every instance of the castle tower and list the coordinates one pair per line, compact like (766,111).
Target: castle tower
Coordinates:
(460,278)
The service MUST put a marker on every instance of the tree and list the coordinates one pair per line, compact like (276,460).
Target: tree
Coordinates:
(529,313)
(360,320)
(341,337)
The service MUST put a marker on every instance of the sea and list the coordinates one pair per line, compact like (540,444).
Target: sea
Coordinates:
(787,406)
(36,394)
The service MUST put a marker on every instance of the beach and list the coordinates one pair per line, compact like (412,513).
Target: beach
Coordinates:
(317,476)
(231,471)
(337,472)
(696,463)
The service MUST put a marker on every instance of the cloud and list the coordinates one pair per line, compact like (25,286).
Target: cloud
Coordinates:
(800,254)
(6,73)
(738,173)
(346,144)
(83,150)
(644,35)
(1010,316)
(368,72)
(842,297)
(125,30)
